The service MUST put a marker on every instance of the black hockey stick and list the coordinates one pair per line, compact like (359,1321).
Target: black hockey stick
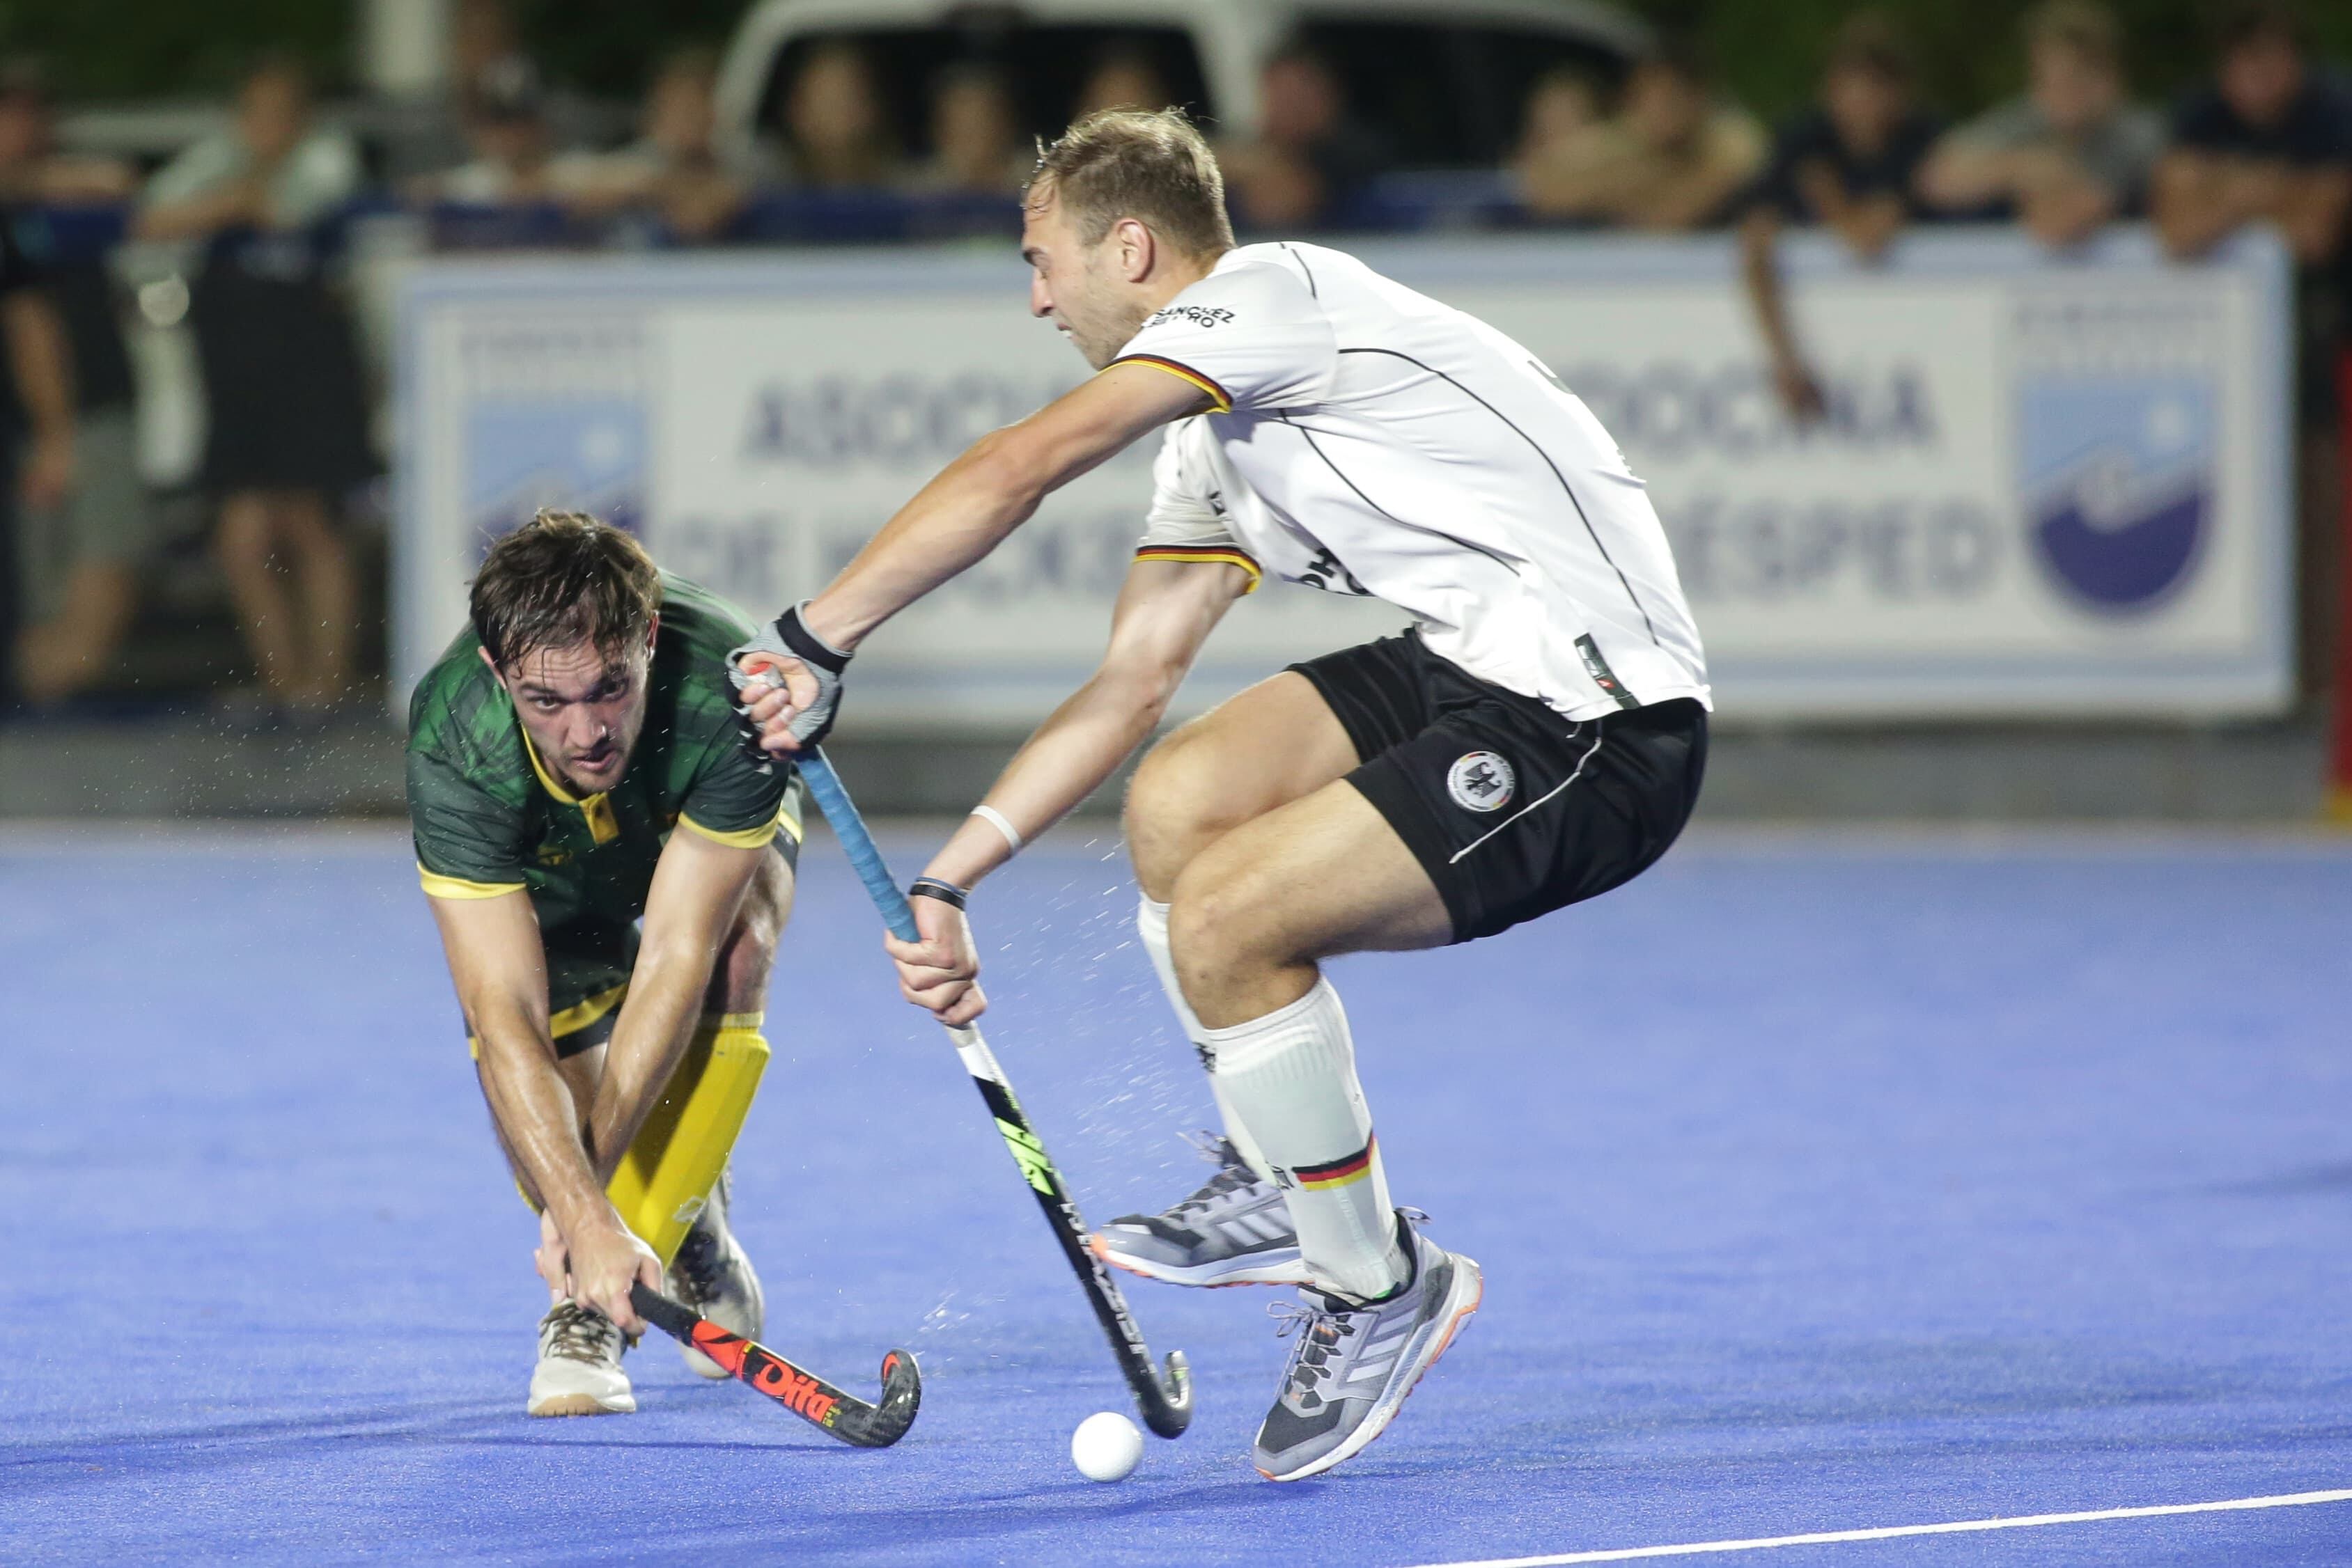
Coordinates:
(804,1393)
(1167,1406)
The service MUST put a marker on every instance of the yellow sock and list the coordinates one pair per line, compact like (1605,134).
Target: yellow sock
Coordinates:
(667,1177)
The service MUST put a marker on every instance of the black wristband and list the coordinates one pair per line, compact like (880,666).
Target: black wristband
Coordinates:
(806,645)
(945,892)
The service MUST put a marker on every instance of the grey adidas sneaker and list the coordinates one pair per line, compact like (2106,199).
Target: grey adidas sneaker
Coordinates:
(1235,1230)
(1352,1366)
(579,1371)
(712,1275)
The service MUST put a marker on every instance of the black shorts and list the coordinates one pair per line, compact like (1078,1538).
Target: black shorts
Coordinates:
(1512,809)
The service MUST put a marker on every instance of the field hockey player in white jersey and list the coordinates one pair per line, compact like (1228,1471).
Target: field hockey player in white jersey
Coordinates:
(1537,738)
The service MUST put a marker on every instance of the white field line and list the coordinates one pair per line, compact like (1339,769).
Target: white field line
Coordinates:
(1897,1532)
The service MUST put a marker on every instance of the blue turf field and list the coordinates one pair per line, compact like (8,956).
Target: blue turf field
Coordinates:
(1817,1186)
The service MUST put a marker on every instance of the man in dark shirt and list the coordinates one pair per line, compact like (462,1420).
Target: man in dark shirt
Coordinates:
(1311,156)
(2268,140)
(1851,164)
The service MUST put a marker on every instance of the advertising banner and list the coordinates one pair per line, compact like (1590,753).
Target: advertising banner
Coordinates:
(2041,487)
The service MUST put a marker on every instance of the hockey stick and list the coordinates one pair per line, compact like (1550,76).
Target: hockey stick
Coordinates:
(804,1393)
(1167,1406)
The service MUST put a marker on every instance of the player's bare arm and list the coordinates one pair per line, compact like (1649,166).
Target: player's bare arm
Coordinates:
(1096,280)
(1165,612)
(697,889)
(972,507)
(499,965)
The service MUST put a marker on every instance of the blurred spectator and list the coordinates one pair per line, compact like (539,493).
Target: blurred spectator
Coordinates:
(1308,157)
(287,430)
(1122,78)
(2070,155)
(673,168)
(1671,158)
(1852,165)
(2270,140)
(436,133)
(1561,106)
(837,136)
(976,142)
(83,523)
(514,160)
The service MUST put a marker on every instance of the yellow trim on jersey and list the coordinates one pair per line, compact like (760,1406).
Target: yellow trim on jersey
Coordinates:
(596,809)
(784,821)
(1184,373)
(580,1015)
(742,839)
(1191,553)
(440,886)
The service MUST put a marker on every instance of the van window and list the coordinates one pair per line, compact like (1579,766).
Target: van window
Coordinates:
(1446,96)
(1045,68)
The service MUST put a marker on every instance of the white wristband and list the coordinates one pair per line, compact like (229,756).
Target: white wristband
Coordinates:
(995,819)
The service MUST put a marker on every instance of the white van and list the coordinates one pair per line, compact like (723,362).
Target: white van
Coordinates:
(1444,81)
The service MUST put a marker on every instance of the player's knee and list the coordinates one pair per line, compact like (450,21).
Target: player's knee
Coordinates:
(1174,810)
(1221,919)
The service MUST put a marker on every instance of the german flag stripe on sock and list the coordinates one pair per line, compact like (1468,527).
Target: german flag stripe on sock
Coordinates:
(1191,553)
(1355,1167)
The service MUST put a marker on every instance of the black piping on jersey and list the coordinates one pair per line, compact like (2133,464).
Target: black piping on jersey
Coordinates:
(1503,561)
(1309,271)
(1591,532)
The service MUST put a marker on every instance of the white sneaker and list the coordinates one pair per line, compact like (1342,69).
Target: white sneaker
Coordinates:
(579,1371)
(711,1274)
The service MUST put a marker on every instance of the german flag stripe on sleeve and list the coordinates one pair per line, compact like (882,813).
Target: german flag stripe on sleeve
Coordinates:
(1228,554)
(1184,372)
(1355,1167)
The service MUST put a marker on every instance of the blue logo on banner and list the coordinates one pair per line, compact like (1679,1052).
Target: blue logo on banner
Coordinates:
(2119,476)
(581,454)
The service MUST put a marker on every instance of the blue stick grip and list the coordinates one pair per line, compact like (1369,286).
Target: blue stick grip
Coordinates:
(864,856)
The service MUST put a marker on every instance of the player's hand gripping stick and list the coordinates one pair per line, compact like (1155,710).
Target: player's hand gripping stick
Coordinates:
(753,671)
(804,1393)
(1166,1403)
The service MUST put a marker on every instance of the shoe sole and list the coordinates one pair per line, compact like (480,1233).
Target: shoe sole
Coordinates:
(1388,1408)
(1292,1273)
(578,1405)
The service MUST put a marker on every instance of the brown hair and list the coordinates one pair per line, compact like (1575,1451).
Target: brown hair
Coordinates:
(1147,165)
(2085,26)
(560,578)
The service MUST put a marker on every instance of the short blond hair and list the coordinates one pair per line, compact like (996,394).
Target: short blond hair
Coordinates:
(1151,166)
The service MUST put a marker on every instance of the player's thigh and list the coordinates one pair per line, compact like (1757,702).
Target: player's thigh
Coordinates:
(1322,875)
(1274,744)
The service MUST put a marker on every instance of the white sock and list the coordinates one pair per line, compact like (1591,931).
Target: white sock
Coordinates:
(1292,1076)
(1151,925)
